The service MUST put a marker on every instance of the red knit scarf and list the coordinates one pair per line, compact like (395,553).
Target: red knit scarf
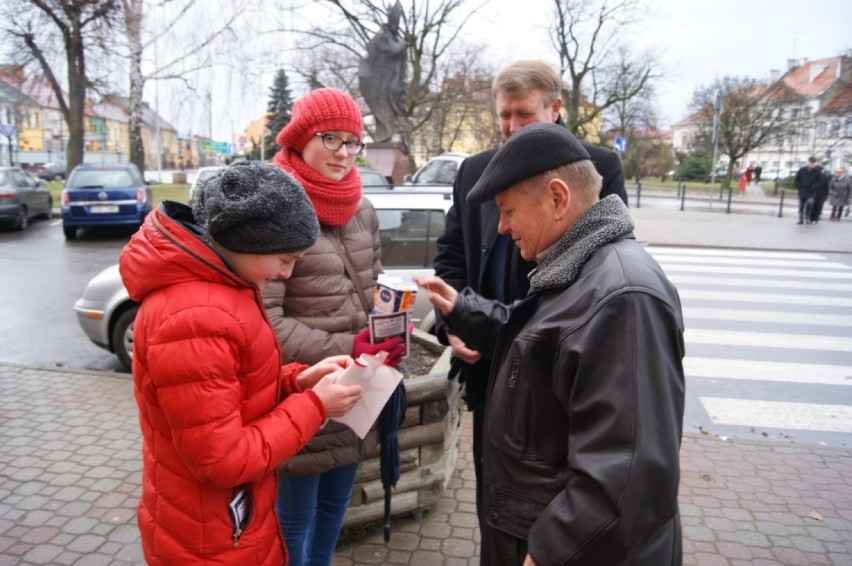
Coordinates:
(335,201)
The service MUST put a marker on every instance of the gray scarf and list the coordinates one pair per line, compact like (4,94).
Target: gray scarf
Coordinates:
(603,222)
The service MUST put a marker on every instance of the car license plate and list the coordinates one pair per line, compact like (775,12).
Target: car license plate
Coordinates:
(104,209)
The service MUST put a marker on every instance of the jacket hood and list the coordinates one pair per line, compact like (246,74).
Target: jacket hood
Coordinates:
(169,249)
(605,221)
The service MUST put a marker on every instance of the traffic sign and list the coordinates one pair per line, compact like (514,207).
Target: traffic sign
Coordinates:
(214,147)
(620,144)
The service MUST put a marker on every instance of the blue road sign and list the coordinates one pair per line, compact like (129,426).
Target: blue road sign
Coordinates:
(620,144)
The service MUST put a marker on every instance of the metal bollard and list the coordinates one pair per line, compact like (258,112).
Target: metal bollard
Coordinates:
(730,192)
(781,206)
(638,194)
(682,197)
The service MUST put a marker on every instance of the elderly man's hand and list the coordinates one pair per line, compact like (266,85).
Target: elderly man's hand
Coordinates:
(441,295)
(461,351)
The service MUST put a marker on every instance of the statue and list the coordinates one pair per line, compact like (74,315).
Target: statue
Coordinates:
(381,76)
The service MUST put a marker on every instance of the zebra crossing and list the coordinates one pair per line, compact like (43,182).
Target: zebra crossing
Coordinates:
(768,342)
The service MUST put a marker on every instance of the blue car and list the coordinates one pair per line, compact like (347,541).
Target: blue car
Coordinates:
(104,195)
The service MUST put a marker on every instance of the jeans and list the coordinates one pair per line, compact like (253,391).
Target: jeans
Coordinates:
(310,510)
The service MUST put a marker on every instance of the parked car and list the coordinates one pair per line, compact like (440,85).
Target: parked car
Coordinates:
(440,170)
(22,198)
(52,171)
(775,173)
(203,174)
(409,224)
(104,195)
(373,180)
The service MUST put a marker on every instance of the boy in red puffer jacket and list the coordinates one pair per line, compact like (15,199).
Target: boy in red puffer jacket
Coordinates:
(218,411)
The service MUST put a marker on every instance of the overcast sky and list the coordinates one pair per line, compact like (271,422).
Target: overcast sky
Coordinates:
(697,41)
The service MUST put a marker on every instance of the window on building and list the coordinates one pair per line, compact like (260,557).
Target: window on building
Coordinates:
(822,129)
(805,135)
(835,128)
(848,129)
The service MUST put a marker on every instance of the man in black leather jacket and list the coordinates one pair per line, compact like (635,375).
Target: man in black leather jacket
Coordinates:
(585,400)
(471,253)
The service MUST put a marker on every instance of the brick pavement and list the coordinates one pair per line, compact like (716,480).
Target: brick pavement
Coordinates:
(70,475)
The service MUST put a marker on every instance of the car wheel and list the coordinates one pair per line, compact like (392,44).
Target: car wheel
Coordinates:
(70,232)
(23,219)
(122,337)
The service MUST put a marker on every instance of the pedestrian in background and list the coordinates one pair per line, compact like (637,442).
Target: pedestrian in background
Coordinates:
(217,410)
(821,190)
(323,308)
(584,407)
(757,171)
(807,178)
(471,252)
(841,190)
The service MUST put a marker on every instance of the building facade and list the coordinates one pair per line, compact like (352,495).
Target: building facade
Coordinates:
(33,130)
(818,118)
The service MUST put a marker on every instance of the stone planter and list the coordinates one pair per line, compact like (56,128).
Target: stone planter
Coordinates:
(429,443)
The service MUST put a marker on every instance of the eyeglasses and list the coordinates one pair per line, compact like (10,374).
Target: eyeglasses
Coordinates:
(333,143)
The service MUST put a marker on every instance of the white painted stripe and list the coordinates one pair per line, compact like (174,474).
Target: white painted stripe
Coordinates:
(774,414)
(654,250)
(753,283)
(774,317)
(754,262)
(820,343)
(750,370)
(771,298)
(793,273)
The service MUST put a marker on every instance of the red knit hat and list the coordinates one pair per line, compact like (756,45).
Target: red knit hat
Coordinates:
(320,110)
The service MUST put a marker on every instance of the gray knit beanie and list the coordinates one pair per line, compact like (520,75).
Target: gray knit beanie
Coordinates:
(252,207)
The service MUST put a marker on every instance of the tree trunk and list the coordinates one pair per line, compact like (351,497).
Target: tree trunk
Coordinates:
(77,83)
(133,17)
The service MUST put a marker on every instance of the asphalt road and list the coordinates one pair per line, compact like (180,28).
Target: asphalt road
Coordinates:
(42,275)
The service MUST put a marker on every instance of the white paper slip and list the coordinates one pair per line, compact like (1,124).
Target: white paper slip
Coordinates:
(377,383)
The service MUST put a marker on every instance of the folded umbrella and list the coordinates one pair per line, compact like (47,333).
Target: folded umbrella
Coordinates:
(389,459)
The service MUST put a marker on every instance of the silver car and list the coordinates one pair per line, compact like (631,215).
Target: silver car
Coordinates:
(409,223)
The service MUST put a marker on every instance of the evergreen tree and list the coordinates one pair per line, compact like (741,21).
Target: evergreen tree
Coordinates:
(278,111)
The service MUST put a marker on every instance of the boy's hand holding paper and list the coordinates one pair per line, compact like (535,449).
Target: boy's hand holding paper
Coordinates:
(377,382)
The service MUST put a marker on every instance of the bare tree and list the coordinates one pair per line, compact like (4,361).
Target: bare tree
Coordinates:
(429,30)
(633,107)
(751,116)
(82,26)
(180,59)
(584,34)
(461,112)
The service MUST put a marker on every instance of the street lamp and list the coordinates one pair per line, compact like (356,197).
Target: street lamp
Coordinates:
(717,105)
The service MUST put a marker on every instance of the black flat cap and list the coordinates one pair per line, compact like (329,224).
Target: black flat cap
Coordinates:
(532,150)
